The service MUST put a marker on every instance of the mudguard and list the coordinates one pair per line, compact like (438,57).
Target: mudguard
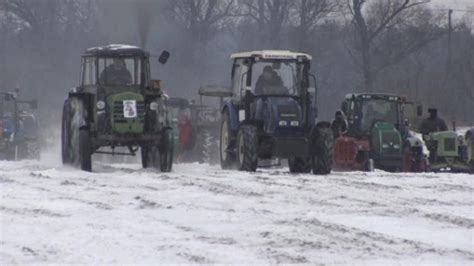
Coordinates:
(233,115)
(414,141)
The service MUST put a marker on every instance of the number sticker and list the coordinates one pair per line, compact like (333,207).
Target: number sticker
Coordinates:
(130,109)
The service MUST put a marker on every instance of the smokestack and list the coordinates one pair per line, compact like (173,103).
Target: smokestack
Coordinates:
(145,16)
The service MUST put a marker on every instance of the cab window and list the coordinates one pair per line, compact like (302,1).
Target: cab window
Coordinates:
(89,71)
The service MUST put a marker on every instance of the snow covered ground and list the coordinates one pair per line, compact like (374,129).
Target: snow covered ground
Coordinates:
(201,214)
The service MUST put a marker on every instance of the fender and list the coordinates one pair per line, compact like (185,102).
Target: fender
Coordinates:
(469,133)
(233,115)
(414,141)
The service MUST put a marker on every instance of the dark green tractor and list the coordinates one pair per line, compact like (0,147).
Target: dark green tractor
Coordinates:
(378,135)
(117,105)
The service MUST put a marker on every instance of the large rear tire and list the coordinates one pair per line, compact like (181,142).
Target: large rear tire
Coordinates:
(226,143)
(470,150)
(66,134)
(323,145)
(247,148)
(76,139)
(85,150)
(299,164)
(166,152)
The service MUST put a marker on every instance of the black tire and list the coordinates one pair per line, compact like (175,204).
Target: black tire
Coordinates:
(66,134)
(76,140)
(85,150)
(32,150)
(147,160)
(299,165)
(226,143)
(323,145)
(166,152)
(247,148)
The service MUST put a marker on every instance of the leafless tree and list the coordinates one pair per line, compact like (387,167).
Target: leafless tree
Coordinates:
(373,22)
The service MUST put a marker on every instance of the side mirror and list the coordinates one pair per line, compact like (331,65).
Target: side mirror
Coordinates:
(419,110)
(165,55)
(34,104)
(156,84)
(344,107)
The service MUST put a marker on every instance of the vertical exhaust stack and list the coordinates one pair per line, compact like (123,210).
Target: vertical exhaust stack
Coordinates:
(145,16)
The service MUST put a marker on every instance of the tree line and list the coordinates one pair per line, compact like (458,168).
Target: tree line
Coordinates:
(395,46)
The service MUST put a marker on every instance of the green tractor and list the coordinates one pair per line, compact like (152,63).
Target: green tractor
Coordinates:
(378,135)
(117,105)
(448,152)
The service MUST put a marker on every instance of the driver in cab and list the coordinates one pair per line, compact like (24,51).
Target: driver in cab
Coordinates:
(116,73)
(269,82)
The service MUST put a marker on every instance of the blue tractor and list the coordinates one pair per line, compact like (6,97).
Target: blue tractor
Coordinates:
(19,131)
(272,114)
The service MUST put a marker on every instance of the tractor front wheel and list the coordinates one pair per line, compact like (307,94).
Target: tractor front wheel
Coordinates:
(247,148)
(323,145)
(299,165)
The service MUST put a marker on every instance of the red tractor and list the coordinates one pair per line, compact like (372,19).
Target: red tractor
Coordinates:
(378,136)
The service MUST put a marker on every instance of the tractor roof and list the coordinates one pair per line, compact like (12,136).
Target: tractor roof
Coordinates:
(116,50)
(385,96)
(271,54)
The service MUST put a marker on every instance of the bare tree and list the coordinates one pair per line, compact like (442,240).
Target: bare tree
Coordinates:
(369,26)
(202,19)
(270,16)
(307,14)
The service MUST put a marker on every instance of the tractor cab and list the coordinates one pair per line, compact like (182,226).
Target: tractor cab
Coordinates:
(18,129)
(273,110)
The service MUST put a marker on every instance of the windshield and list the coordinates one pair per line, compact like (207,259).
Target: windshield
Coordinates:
(270,78)
(120,71)
(377,110)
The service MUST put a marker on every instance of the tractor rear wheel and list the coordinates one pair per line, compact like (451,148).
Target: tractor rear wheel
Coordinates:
(85,152)
(66,134)
(226,143)
(247,148)
(299,165)
(323,145)
(470,151)
(75,138)
(166,152)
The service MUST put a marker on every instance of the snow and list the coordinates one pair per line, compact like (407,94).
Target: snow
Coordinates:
(202,214)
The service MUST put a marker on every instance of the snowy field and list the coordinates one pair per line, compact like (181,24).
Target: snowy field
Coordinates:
(201,214)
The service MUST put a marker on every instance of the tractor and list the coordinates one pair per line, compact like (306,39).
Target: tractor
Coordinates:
(19,130)
(378,135)
(117,105)
(206,121)
(449,151)
(272,114)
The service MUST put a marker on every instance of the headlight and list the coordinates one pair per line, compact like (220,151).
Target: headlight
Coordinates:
(295,123)
(154,106)
(100,105)
(283,123)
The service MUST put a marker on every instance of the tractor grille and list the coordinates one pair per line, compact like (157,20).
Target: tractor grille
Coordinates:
(118,112)
(450,144)
(391,142)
